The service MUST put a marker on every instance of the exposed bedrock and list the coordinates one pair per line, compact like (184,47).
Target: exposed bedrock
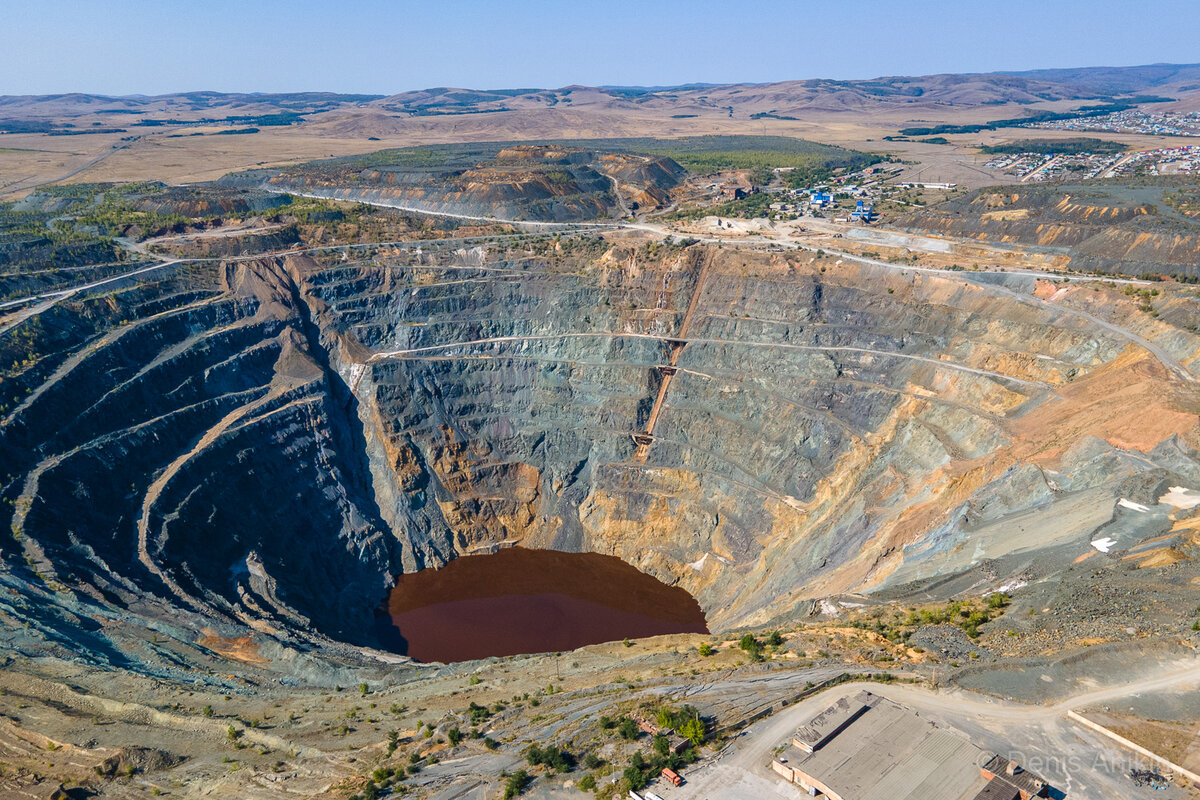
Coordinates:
(266,443)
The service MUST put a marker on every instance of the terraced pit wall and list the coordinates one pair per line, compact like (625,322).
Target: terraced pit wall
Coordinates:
(264,443)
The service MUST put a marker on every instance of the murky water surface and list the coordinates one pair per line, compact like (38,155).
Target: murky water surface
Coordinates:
(529,601)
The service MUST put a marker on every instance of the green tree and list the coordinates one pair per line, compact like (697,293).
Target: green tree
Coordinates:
(693,730)
(775,639)
(516,784)
(454,735)
(706,649)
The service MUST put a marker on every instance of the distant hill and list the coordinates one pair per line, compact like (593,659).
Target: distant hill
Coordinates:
(824,95)
(783,99)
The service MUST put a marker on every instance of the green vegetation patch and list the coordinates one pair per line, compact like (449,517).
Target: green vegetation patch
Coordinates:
(1056,146)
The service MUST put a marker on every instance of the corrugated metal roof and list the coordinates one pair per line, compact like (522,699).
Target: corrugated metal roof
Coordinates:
(891,753)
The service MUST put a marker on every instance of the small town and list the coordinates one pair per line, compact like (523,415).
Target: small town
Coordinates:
(1130,121)
(1048,167)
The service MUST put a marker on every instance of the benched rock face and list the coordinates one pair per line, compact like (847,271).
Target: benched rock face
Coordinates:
(267,443)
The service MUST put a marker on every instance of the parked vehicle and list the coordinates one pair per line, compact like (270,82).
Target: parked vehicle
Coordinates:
(673,776)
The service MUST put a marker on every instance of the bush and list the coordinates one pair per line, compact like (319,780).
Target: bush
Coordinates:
(516,784)
(478,713)
(706,649)
(454,735)
(635,778)
(556,758)
(587,783)
(752,646)
(628,729)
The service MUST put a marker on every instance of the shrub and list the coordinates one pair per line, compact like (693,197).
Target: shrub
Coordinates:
(556,758)
(628,729)
(478,713)
(516,784)
(752,646)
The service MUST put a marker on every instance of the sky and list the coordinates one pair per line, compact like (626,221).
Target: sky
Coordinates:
(381,47)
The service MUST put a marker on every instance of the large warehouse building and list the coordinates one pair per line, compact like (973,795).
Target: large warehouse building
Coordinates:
(866,747)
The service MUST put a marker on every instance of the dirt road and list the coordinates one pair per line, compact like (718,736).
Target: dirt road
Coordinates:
(24,184)
(1075,761)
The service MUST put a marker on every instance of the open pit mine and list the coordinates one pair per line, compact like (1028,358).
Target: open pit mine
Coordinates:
(397,473)
(262,445)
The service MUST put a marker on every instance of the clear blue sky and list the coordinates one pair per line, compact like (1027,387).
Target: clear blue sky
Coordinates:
(375,46)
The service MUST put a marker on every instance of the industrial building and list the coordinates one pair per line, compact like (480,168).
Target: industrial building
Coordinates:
(863,212)
(866,747)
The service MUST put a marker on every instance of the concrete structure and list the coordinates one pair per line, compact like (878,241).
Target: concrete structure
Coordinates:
(866,747)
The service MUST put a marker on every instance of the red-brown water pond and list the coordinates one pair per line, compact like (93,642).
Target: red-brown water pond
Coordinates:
(529,601)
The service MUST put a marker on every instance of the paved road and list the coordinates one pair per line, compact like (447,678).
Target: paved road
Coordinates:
(1046,165)
(1122,161)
